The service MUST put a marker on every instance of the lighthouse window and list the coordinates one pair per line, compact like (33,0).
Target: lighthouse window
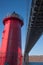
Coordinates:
(6,63)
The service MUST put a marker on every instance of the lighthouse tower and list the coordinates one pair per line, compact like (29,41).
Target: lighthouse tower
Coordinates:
(11,40)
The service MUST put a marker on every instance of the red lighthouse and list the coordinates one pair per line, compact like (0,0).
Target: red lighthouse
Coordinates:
(11,40)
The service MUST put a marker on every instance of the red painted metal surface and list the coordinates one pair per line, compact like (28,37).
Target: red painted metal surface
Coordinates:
(0,55)
(11,41)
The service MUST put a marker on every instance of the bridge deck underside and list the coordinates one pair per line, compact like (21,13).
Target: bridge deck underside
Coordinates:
(35,27)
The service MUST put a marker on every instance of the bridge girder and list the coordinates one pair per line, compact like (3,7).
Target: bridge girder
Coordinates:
(35,27)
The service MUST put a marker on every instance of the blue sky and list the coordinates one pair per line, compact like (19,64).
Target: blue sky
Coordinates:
(19,6)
